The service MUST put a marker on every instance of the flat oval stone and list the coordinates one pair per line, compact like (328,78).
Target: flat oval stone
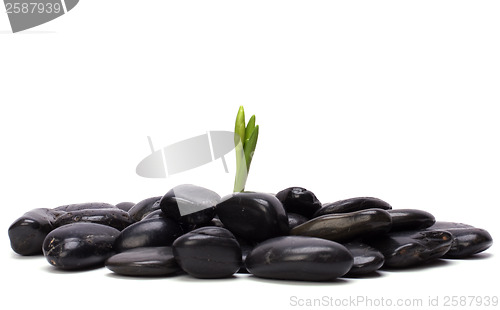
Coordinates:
(144,262)
(79,245)
(299,258)
(352,205)
(112,217)
(208,252)
(144,207)
(366,259)
(410,219)
(27,233)
(125,206)
(467,240)
(84,206)
(344,227)
(190,204)
(148,233)
(408,248)
(253,216)
(295,220)
(299,200)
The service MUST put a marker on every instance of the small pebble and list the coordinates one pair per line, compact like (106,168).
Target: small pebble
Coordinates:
(352,205)
(144,207)
(113,217)
(299,200)
(125,206)
(366,259)
(144,262)
(410,219)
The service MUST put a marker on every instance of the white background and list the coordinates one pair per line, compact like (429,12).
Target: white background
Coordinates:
(392,99)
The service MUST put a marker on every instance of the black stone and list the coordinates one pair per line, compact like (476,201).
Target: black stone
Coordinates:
(113,217)
(208,252)
(299,258)
(253,216)
(345,227)
(125,206)
(410,219)
(148,233)
(84,206)
(352,205)
(79,245)
(467,240)
(245,250)
(366,259)
(144,207)
(190,204)
(299,200)
(409,248)
(144,262)
(27,233)
(295,220)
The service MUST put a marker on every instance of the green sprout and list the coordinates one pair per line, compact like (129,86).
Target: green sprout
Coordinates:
(245,143)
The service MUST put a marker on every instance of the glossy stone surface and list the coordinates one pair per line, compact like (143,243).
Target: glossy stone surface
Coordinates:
(253,216)
(79,245)
(295,220)
(299,258)
(410,248)
(299,200)
(144,207)
(27,233)
(345,227)
(208,252)
(84,206)
(190,204)
(366,258)
(352,205)
(148,233)
(467,240)
(245,250)
(410,219)
(125,206)
(144,262)
(113,217)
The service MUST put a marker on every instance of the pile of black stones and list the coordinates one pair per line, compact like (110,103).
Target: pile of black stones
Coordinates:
(289,236)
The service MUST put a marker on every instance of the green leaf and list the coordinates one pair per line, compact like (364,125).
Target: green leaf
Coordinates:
(239,127)
(249,130)
(250,146)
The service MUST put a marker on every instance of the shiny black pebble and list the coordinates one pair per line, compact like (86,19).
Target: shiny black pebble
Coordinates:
(299,258)
(113,217)
(345,227)
(409,248)
(208,252)
(27,233)
(352,205)
(366,259)
(253,216)
(144,262)
(467,240)
(84,206)
(79,245)
(144,207)
(410,219)
(125,206)
(148,233)
(190,204)
(299,200)
(295,220)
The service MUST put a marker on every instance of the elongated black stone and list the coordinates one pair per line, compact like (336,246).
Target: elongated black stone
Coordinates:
(408,248)
(299,200)
(366,259)
(345,227)
(144,262)
(27,233)
(352,205)
(148,233)
(84,206)
(299,258)
(253,216)
(125,206)
(79,245)
(113,217)
(208,252)
(190,204)
(467,240)
(144,207)
(410,219)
